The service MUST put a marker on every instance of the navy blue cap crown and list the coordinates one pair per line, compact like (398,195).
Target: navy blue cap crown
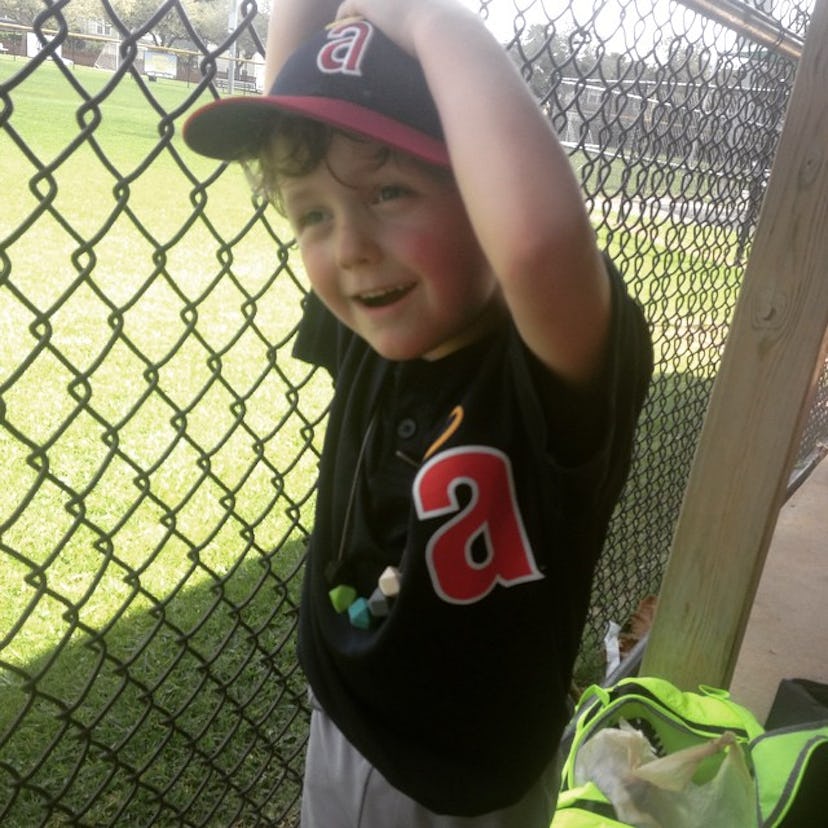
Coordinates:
(349,75)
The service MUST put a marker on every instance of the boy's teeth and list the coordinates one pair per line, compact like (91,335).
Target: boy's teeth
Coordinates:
(378,293)
(382,297)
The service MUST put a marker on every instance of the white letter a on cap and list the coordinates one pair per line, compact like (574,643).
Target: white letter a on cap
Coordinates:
(344,53)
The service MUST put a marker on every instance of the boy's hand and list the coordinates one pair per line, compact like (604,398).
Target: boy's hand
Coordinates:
(291,23)
(399,19)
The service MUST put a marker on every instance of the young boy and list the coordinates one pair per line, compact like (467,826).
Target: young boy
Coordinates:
(489,369)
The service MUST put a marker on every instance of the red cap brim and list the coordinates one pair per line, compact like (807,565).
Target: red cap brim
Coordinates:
(232,128)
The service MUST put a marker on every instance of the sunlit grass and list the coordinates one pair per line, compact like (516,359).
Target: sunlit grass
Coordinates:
(158,467)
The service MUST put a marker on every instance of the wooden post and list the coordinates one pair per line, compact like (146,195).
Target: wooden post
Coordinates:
(757,409)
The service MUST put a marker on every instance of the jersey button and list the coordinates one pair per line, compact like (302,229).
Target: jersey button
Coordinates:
(406,428)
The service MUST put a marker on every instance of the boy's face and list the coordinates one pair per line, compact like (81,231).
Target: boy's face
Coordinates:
(388,247)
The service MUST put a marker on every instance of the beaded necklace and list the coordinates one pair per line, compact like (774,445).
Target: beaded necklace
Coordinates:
(362,612)
(365,612)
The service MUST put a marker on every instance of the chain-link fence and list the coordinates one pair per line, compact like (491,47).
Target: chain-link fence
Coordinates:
(157,442)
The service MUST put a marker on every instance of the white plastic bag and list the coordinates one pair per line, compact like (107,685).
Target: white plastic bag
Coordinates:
(648,792)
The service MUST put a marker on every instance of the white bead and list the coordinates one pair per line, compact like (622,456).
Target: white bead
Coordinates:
(389,582)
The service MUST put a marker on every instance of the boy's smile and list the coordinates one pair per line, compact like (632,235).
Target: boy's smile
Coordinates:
(388,247)
(385,297)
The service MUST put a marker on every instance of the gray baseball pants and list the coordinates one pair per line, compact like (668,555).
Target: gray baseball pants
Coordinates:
(342,790)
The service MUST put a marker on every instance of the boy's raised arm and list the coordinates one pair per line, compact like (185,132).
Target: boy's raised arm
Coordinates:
(517,183)
(292,22)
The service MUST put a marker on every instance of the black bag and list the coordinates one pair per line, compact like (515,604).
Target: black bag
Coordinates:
(791,758)
(798,701)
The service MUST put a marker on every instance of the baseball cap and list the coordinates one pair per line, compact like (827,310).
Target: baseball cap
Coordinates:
(349,75)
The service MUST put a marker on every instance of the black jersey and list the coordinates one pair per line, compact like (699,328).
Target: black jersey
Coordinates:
(490,485)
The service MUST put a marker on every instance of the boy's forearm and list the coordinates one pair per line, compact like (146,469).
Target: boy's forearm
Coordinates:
(292,22)
(493,124)
(516,181)
(508,162)
(522,196)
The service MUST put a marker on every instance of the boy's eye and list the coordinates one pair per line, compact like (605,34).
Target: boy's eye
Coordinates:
(389,192)
(309,218)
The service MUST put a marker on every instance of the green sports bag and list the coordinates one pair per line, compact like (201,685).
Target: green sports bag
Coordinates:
(670,718)
(720,766)
(791,770)
(701,738)
(585,807)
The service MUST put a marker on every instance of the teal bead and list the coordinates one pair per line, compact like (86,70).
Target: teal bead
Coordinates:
(360,614)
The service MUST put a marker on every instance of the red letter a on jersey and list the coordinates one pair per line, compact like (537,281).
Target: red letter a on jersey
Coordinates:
(491,518)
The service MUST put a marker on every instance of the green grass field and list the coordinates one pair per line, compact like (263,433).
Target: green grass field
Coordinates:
(158,460)
(153,448)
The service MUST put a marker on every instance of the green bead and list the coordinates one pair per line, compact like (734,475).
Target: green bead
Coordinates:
(342,597)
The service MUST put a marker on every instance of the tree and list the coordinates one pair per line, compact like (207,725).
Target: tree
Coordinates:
(163,22)
(21,12)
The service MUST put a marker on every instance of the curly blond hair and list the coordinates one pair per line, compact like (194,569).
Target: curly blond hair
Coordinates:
(292,146)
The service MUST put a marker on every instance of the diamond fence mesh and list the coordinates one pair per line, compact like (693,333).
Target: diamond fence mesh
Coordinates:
(158,444)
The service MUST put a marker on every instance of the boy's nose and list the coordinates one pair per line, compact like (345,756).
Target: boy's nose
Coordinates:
(356,244)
